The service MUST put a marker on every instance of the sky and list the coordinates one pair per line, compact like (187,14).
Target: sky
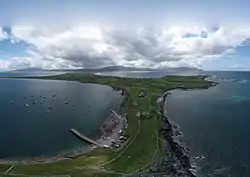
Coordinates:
(63,34)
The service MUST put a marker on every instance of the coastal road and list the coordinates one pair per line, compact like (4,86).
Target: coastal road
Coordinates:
(128,145)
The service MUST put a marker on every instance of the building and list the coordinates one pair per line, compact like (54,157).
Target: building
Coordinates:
(143,93)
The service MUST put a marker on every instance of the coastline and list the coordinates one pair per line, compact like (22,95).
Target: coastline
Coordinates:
(179,151)
(71,153)
(175,160)
(64,155)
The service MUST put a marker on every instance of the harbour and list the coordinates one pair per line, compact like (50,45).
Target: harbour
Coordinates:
(46,125)
(84,138)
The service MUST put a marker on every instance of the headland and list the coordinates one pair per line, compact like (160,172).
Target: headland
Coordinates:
(150,147)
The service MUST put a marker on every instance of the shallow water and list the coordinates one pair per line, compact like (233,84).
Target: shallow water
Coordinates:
(34,121)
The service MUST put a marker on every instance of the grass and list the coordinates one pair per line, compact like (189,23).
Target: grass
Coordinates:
(142,133)
(4,167)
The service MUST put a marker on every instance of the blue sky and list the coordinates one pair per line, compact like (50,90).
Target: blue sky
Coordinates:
(57,34)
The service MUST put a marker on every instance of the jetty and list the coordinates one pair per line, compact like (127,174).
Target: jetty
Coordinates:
(115,114)
(82,137)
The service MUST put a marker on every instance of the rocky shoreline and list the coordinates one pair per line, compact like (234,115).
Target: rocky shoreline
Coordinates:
(124,100)
(176,160)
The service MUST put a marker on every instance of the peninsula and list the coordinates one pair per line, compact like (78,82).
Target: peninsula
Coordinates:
(150,145)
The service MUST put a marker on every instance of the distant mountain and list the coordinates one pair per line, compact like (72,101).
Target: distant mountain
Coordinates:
(105,69)
(116,68)
(122,68)
(31,69)
(180,69)
(169,69)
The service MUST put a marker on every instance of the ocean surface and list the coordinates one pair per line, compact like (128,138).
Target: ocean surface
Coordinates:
(36,115)
(29,73)
(216,124)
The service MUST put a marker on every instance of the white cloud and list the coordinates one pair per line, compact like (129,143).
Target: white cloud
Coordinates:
(95,45)
(3,34)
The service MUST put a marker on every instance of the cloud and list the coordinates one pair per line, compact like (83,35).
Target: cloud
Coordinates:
(3,34)
(93,45)
(239,67)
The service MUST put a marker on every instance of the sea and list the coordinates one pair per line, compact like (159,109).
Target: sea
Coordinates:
(215,122)
(36,115)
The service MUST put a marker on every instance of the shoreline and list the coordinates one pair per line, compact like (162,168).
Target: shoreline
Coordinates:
(178,150)
(64,155)
(71,153)
(175,158)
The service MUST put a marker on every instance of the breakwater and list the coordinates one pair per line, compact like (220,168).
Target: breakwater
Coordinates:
(84,138)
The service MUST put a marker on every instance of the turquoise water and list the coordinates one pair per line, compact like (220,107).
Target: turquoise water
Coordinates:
(36,115)
(216,124)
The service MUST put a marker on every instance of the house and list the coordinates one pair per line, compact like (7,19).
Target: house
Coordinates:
(143,93)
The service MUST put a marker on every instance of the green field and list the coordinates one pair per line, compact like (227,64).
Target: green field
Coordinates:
(143,143)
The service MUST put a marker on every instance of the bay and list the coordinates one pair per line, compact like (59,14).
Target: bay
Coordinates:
(36,115)
(215,122)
